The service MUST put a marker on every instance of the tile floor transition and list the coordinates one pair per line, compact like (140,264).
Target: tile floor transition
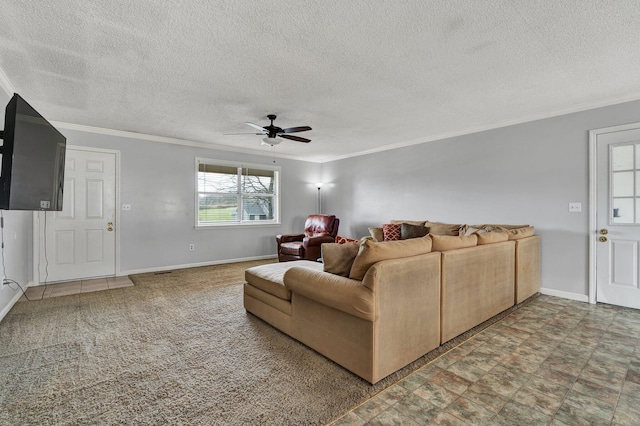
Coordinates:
(74,287)
(552,362)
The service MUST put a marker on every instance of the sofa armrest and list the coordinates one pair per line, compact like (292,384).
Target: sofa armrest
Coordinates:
(316,241)
(286,238)
(341,293)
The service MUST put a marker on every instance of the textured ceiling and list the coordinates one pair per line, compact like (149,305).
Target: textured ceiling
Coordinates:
(366,75)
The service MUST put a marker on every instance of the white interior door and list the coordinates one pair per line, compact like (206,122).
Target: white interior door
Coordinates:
(618,217)
(80,241)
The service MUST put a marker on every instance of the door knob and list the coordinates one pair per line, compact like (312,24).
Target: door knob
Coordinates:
(603,239)
(604,231)
(109,226)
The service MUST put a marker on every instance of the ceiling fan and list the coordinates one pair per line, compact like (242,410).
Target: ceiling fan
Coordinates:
(274,133)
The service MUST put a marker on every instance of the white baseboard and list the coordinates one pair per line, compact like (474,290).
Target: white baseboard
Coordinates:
(195,265)
(565,294)
(13,301)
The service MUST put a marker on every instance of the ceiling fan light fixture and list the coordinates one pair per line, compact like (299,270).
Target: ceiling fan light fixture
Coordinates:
(271,141)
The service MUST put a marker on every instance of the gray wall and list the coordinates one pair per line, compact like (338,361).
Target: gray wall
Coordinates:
(526,173)
(158,180)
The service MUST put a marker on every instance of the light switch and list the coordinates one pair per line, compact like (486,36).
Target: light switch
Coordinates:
(575,207)
(126,207)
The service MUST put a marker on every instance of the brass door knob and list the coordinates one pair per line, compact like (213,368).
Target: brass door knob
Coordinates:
(603,239)
(604,231)
(109,226)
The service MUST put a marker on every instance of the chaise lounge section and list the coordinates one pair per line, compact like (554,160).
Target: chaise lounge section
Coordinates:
(395,300)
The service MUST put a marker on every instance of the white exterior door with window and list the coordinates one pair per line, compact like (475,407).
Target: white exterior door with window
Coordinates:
(80,241)
(617,233)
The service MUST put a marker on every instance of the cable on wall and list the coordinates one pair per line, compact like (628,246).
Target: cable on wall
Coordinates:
(7,280)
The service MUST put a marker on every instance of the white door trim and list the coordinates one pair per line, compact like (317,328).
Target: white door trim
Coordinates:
(36,223)
(593,163)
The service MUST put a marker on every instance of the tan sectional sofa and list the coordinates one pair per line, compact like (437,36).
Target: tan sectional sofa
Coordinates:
(399,299)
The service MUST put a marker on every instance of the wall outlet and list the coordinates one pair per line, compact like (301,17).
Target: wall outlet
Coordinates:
(575,207)
(192,247)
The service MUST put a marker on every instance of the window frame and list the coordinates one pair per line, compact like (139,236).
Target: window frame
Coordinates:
(240,166)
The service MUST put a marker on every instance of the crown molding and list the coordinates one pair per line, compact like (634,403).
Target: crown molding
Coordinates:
(447,135)
(174,141)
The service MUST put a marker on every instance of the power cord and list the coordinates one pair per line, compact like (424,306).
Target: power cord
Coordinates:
(8,281)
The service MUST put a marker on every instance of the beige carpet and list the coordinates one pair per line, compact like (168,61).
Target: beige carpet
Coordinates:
(177,348)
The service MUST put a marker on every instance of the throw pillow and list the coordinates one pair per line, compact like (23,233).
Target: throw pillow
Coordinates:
(408,231)
(391,231)
(338,258)
(468,230)
(372,252)
(376,234)
(491,237)
(450,242)
(516,234)
(410,222)
(500,226)
(342,240)
(436,228)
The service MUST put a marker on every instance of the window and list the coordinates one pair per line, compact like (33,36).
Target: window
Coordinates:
(236,194)
(625,184)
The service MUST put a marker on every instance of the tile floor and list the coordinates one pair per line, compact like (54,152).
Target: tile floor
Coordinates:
(552,362)
(74,287)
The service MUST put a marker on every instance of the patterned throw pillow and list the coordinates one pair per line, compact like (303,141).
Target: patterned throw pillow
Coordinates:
(391,231)
(342,240)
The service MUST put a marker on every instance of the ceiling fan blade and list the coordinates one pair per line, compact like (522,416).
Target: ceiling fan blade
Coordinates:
(245,133)
(294,138)
(255,126)
(296,129)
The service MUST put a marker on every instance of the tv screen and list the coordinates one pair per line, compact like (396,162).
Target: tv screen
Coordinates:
(33,157)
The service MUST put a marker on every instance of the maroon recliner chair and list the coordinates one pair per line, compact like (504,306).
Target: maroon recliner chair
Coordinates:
(318,229)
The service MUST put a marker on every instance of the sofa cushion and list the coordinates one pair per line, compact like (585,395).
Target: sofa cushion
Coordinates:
(270,277)
(450,242)
(293,248)
(408,231)
(391,231)
(410,222)
(516,234)
(436,228)
(338,258)
(376,234)
(371,252)
(491,237)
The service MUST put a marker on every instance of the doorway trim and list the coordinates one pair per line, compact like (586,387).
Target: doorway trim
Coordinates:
(36,220)
(593,210)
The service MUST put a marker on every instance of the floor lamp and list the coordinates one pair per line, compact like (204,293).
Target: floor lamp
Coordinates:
(319,186)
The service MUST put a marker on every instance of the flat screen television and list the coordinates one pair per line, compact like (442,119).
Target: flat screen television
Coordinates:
(33,157)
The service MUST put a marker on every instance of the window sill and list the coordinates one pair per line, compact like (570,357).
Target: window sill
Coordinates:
(237,225)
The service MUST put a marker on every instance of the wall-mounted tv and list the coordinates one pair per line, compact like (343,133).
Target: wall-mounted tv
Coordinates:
(33,156)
